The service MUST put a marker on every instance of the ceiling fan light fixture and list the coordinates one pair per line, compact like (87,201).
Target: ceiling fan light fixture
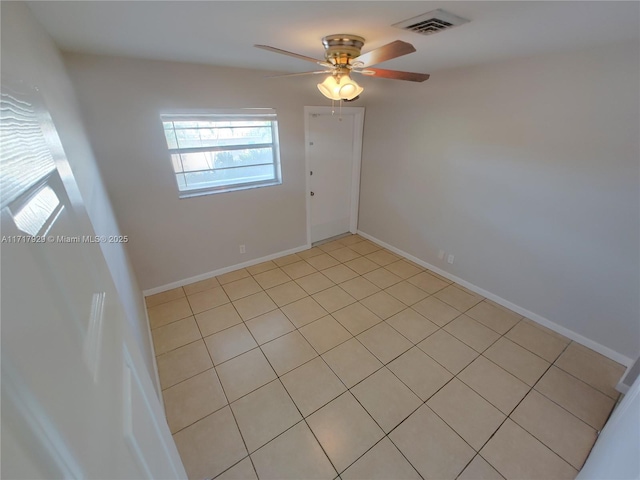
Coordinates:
(340,88)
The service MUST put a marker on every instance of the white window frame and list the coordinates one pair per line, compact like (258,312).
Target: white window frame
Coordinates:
(265,114)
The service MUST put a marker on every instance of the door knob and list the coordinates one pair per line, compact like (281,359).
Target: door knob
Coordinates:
(312,194)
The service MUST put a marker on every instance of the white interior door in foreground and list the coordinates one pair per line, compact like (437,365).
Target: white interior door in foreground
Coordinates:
(77,401)
(334,145)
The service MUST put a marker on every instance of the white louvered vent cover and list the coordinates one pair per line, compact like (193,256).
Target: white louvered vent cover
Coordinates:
(431,22)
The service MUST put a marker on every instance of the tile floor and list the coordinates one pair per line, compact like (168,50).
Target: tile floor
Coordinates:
(348,361)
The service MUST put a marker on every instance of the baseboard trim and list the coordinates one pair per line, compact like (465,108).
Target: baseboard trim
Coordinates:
(221,271)
(576,337)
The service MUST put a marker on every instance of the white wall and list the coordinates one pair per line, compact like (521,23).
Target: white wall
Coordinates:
(29,54)
(174,239)
(526,171)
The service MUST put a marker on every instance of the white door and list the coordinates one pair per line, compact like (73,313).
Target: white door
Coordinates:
(615,454)
(334,146)
(77,401)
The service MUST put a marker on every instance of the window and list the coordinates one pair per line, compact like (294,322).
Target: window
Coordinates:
(223,151)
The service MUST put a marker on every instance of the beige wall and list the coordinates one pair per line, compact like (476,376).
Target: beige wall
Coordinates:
(174,239)
(527,171)
(29,54)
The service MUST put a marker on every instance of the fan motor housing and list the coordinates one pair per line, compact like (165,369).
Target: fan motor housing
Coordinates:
(341,48)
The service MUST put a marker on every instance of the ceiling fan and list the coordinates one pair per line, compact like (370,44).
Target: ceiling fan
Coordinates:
(342,57)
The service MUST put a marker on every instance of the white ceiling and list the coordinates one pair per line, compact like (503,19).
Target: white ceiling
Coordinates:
(223,33)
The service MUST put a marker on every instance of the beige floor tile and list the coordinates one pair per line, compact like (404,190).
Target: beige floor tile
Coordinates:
(330,246)
(351,362)
(516,454)
(217,319)
(496,318)
(254,305)
(174,335)
(547,330)
(383,257)
(412,325)
(537,341)
(384,342)
(241,288)
(359,288)
(559,430)
(272,278)
(168,312)
(448,351)
(362,265)
(163,297)
(344,254)
(288,352)
(387,399)
(480,469)
(498,386)
(432,447)
(294,455)
(304,311)
(245,373)
(517,360)
(383,304)
(325,333)
(364,248)
(261,267)
(311,252)
(333,299)
(322,261)
(471,332)
(403,269)
(382,278)
(350,240)
(312,385)
(356,318)
(383,462)
(211,445)
(242,470)
(592,368)
(470,415)
(406,293)
(195,398)
(264,414)
(298,269)
(428,282)
(286,293)
(458,298)
(423,375)
(269,326)
(339,273)
(229,343)
(287,259)
(232,276)
(345,430)
(207,299)
(314,283)
(584,401)
(436,310)
(182,363)
(201,286)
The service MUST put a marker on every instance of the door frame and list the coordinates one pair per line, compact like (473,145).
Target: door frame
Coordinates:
(356,160)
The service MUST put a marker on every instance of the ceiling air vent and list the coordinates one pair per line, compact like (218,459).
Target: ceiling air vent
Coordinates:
(431,22)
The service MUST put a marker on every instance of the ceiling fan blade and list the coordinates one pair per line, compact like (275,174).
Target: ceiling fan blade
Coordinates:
(397,75)
(386,52)
(328,72)
(290,54)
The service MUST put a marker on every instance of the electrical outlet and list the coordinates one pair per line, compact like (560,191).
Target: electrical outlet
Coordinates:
(243,249)
(450,258)
(441,254)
